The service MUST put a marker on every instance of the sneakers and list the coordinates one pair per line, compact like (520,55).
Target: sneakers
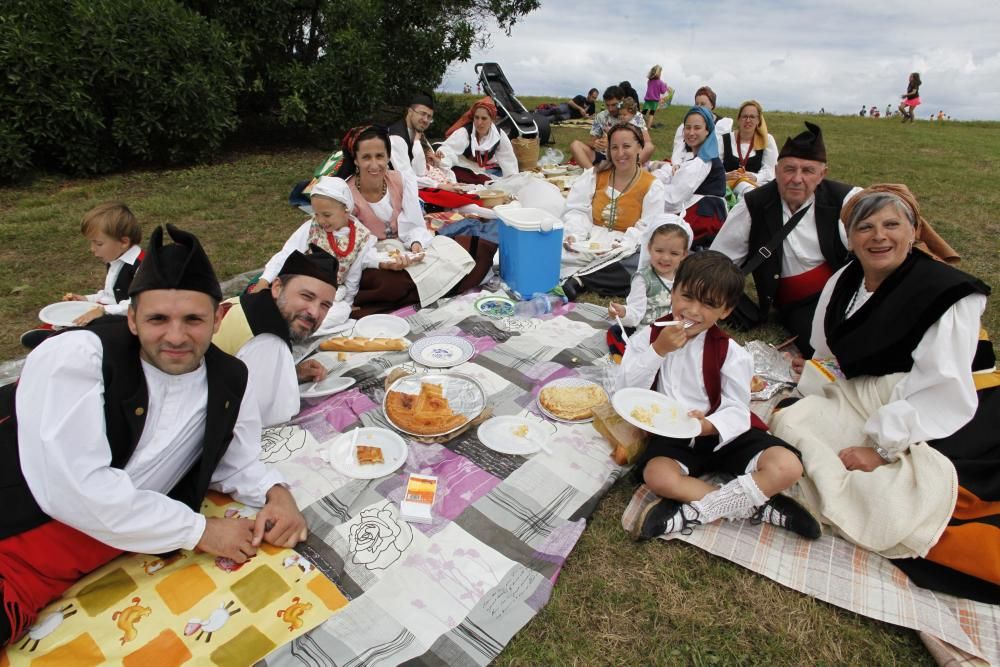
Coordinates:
(664,516)
(785,513)
(34,337)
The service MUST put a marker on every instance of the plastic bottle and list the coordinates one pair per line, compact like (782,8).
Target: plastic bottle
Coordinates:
(539,304)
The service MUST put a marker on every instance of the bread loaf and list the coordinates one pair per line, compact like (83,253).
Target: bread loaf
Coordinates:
(362,344)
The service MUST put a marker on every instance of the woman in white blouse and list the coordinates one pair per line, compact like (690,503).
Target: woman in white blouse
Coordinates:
(749,154)
(607,210)
(902,455)
(476,145)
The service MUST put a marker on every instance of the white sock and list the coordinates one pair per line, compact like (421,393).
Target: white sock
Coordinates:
(734,500)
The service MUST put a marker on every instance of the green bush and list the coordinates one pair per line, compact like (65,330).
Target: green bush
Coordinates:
(94,85)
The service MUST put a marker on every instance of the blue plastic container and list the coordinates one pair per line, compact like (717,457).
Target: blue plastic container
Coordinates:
(530,249)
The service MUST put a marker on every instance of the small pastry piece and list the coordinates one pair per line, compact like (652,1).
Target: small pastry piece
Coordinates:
(757,383)
(520,431)
(369,455)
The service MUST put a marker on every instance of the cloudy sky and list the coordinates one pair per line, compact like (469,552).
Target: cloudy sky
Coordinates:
(796,56)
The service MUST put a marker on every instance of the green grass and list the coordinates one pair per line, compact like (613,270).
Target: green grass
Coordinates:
(615,602)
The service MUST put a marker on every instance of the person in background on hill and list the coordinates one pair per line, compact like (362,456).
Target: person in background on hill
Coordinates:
(628,91)
(475,148)
(583,106)
(874,112)
(593,153)
(656,91)
(888,111)
(911,98)
(940,115)
(695,187)
(790,275)
(607,211)
(902,452)
(703,97)
(114,235)
(114,433)
(700,367)
(749,154)
(864,111)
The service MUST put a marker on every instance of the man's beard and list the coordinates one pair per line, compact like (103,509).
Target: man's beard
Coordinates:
(294,334)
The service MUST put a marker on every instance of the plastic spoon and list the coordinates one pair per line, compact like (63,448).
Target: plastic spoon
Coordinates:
(675,323)
(622,327)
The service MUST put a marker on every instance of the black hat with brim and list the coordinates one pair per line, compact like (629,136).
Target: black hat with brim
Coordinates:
(806,145)
(317,264)
(182,265)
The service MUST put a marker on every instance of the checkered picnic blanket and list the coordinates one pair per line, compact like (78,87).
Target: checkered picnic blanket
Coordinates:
(836,571)
(457,590)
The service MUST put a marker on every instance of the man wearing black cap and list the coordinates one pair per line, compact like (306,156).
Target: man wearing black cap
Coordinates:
(118,432)
(406,137)
(788,234)
(260,329)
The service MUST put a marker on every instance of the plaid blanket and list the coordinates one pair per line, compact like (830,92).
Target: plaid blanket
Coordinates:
(956,631)
(454,591)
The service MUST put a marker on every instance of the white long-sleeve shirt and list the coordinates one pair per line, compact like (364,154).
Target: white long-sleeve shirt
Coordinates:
(65,455)
(578,217)
(800,249)
(106,297)
(722,126)
(455,145)
(418,165)
(679,186)
(272,375)
(937,396)
(681,379)
(340,311)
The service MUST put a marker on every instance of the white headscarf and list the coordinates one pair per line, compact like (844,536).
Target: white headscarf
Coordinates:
(659,221)
(336,189)
(488,142)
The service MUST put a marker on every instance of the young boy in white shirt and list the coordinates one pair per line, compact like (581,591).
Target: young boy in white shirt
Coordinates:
(115,237)
(709,374)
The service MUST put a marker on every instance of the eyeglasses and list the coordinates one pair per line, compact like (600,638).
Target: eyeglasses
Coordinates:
(745,117)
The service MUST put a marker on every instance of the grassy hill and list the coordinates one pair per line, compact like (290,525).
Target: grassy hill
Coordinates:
(615,602)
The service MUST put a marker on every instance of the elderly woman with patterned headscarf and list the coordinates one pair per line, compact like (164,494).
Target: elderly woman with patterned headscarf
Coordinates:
(749,153)
(475,147)
(695,187)
(902,453)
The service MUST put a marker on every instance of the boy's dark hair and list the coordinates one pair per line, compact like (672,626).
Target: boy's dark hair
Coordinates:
(710,277)
(113,219)
(613,93)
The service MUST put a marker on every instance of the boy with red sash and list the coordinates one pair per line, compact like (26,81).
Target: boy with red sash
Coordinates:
(699,366)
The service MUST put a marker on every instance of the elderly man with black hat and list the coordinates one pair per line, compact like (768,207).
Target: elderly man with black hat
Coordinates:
(788,234)
(119,430)
(260,329)
(406,137)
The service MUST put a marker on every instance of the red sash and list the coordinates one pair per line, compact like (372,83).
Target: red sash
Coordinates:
(798,288)
(713,357)
(38,565)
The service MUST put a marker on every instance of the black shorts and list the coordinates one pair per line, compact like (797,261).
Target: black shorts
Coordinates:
(599,157)
(699,458)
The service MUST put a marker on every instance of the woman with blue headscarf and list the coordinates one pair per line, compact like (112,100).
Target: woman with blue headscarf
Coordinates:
(695,188)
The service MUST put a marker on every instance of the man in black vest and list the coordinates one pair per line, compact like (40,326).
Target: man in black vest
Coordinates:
(406,137)
(789,271)
(118,432)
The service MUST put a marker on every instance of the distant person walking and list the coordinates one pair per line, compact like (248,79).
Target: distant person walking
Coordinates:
(657,91)
(911,99)
(864,111)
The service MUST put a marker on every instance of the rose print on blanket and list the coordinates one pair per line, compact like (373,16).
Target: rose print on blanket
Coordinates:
(277,444)
(378,539)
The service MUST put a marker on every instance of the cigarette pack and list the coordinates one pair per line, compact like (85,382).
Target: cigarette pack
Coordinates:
(419,498)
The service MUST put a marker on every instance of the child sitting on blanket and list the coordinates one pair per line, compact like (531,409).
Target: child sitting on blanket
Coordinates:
(666,243)
(336,231)
(731,439)
(115,237)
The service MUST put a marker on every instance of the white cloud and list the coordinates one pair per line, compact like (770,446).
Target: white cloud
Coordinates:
(792,56)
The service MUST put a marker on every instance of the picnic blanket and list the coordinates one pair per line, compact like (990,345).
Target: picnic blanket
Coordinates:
(454,591)
(185,608)
(956,631)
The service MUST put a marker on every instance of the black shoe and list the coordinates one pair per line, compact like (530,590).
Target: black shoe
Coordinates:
(664,516)
(785,513)
(572,287)
(34,337)
(786,402)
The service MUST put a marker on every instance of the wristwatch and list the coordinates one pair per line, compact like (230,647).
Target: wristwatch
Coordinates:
(882,452)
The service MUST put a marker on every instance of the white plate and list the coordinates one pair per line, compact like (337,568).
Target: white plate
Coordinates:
(344,460)
(670,419)
(62,313)
(585,246)
(464,394)
(566,382)
(441,351)
(381,326)
(499,435)
(331,385)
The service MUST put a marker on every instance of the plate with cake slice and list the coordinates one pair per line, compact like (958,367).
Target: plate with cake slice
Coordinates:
(571,400)
(367,453)
(433,404)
